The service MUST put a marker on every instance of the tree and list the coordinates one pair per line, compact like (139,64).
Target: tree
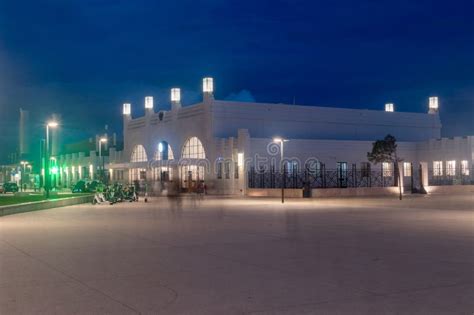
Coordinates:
(386,151)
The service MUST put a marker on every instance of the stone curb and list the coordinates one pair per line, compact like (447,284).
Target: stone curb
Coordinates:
(44,204)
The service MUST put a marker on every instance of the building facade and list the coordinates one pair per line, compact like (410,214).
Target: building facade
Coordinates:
(221,144)
(86,160)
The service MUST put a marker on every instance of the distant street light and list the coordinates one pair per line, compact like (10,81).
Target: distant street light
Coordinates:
(282,166)
(47,181)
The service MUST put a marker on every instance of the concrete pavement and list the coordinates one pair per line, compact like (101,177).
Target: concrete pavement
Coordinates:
(242,256)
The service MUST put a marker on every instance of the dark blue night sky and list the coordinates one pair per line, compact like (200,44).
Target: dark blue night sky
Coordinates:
(84,58)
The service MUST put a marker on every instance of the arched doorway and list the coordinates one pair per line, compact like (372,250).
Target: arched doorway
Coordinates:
(138,161)
(193,165)
(163,170)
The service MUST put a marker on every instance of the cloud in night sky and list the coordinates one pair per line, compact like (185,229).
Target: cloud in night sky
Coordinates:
(242,96)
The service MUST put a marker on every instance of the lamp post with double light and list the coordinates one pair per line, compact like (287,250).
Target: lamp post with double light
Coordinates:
(281,141)
(47,175)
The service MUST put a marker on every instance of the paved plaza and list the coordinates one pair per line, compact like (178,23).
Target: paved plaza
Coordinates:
(242,256)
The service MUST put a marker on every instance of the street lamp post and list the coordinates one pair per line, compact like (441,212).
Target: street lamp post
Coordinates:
(101,158)
(23,163)
(47,176)
(282,166)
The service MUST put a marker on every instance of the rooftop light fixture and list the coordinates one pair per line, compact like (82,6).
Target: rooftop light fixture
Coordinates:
(389,107)
(149,102)
(208,85)
(433,103)
(175,94)
(127,108)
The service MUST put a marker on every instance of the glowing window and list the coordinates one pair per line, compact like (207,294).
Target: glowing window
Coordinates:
(240,159)
(163,154)
(407,169)
(137,174)
(387,169)
(163,173)
(236,170)
(437,168)
(464,168)
(191,173)
(292,167)
(451,168)
(139,154)
(193,149)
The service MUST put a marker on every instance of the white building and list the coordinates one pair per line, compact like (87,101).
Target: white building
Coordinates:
(221,144)
(85,160)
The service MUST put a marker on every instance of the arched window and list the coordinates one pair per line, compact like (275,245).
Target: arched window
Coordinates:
(193,149)
(139,154)
(164,152)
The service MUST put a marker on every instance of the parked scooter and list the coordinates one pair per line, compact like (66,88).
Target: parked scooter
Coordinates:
(130,194)
(116,193)
(98,198)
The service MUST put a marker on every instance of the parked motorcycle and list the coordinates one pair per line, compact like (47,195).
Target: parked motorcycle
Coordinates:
(116,193)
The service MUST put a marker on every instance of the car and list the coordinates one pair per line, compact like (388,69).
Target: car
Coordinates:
(10,187)
(83,186)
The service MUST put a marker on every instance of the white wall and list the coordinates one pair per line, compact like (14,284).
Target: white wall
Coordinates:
(310,122)
(446,149)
